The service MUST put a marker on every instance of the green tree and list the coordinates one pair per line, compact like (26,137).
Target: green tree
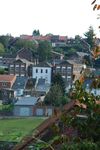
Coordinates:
(36,33)
(2,49)
(90,37)
(21,43)
(54,96)
(44,50)
(57,79)
(2,70)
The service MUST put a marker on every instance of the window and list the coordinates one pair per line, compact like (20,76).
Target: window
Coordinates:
(63,77)
(46,71)
(68,78)
(17,65)
(4,83)
(41,70)
(36,70)
(11,65)
(69,68)
(58,67)
(63,69)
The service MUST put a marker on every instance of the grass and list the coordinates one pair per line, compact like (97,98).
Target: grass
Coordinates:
(14,129)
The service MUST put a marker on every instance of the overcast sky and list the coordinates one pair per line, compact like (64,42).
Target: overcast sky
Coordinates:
(63,17)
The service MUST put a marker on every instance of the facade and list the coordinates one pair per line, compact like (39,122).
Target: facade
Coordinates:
(65,69)
(42,71)
(18,68)
(6,83)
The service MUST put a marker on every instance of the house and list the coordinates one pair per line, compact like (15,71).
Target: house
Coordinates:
(25,53)
(89,88)
(77,68)
(19,86)
(42,71)
(19,67)
(24,106)
(65,69)
(6,83)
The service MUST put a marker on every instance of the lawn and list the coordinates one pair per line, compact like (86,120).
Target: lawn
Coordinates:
(14,129)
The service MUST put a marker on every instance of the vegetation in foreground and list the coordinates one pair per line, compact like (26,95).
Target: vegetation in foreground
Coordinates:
(16,128)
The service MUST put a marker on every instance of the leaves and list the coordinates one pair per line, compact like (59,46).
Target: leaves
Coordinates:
(98,7)
(95,6)
(93,2)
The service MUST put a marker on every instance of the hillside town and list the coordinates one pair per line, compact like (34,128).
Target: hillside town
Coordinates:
(42,75)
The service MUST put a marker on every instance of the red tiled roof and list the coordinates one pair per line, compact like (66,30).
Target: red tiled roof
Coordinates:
(6,78)
(63,38)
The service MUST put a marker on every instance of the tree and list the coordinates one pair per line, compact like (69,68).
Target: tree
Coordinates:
(57,79)
(2,49)
(21,43)
(36,33)
(44,50)
(90,37)
(54,96)
(4,39)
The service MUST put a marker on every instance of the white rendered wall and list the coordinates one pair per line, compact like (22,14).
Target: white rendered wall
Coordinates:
(42,75)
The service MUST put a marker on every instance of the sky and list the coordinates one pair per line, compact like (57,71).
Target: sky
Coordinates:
(59,17)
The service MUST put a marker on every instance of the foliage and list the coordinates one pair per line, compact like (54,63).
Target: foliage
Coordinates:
(59,50)
(2,49)
(2,71)
(90,37)
(4,39)
(21,43)
(36,33)
(54,96)
(83,145)
(57,79)
(44,50)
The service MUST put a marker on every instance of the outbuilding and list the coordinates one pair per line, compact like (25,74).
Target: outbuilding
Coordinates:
(24,106)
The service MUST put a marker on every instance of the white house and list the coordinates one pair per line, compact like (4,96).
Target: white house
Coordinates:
(42,71)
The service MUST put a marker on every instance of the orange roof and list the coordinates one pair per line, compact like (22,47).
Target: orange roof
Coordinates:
(6,78)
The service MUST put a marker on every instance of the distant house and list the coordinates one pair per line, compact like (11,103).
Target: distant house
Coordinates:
(19,86)
(42,71)
(6,83)
(24,106)
(77,68)
(88,87)
(65,69)
(25,53)
(20,66)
